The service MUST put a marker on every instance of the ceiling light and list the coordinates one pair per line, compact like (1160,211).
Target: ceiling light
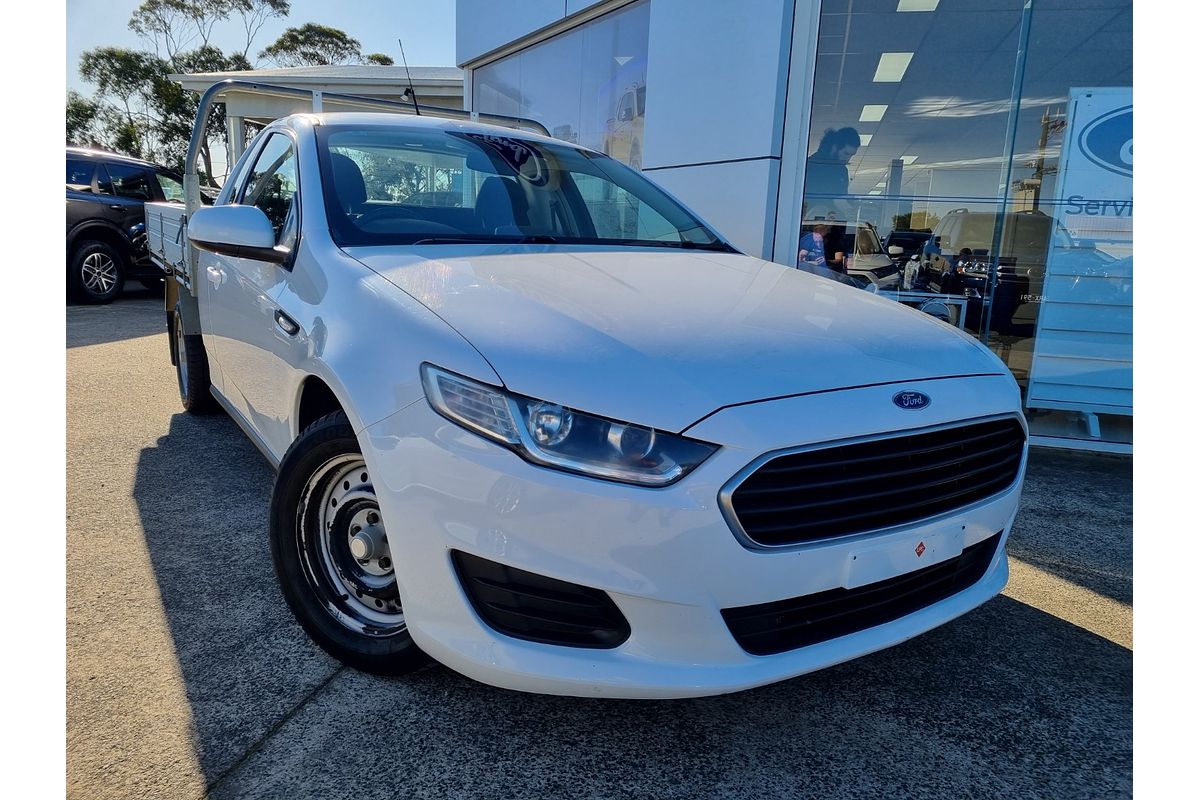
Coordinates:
(872,113)
(875,191)
(865,139)
(891,67)
(917,5)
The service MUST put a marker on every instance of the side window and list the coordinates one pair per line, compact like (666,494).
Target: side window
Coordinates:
(104,184)
(271,186)
(129,181)
(79,175)
(172,189)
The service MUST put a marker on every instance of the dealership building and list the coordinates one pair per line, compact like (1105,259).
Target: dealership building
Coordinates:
(990,139)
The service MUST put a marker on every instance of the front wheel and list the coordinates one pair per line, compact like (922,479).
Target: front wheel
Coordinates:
(331,552)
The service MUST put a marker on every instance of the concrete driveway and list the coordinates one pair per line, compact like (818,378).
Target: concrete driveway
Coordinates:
(187,677)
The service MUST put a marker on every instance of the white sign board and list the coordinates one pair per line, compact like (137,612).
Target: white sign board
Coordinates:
(1083,352)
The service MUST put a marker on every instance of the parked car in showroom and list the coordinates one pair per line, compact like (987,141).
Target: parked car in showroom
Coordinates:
(106,243)
(909,242)
(960,263)
(571,451)
(864,256)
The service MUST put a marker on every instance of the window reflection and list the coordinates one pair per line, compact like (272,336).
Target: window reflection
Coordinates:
(587,86)
(968,190)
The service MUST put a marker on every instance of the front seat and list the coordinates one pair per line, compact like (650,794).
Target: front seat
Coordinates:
(348,184)
(501,206)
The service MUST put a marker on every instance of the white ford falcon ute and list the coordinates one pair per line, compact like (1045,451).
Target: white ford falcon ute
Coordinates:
(534,419)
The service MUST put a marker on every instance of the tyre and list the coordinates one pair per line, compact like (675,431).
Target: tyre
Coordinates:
(191,369)
(96,273)
(331,554)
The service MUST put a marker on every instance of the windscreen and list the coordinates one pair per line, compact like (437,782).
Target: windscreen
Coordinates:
(432,186)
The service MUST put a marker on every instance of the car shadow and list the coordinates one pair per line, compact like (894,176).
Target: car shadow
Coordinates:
(1006,701)
(202,493)
(1076,520)
(124,318)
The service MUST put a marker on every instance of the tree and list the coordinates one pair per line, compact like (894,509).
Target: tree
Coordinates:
(255,13)
(383,59)
(83,117)
(311,45)
(173,25)
(129,76)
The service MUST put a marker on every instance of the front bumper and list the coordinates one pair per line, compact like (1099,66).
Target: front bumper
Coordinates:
(666,557)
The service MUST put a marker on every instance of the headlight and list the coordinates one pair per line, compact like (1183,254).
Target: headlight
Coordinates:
(563,438)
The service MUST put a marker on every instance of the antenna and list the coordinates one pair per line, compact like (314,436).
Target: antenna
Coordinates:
(410,91)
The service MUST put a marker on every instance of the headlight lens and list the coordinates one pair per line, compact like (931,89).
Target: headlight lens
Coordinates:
(563,438)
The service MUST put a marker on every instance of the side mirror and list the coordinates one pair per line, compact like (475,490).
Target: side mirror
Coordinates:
(238,231)
(895,250)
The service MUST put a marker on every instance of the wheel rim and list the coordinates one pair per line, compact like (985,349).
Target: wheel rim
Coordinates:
(344,550)
(181,365)
(99,273)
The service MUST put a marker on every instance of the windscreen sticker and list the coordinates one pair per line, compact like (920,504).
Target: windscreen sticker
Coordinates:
(519,155)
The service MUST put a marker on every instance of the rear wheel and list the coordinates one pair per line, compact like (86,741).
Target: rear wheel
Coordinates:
(96,273)
(191,369)
(331,552)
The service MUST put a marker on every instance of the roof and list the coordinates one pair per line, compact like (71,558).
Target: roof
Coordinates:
(358,73)
(366,118)
(109,156)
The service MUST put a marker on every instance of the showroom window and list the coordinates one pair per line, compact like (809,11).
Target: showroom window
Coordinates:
(587,85)
(989,146)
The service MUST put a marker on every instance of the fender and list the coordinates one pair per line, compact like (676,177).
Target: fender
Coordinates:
(363,344)
(93,224)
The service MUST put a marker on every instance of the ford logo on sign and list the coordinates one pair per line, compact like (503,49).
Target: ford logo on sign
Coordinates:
(1108,141)
(911,401)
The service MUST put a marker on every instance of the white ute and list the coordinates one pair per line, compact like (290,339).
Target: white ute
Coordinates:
(554,432)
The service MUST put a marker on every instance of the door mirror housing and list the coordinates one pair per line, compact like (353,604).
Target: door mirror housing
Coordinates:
(238,231)
(895,250)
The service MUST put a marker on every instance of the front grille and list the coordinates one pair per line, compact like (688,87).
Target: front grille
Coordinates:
(539,609)
(848,489)
(770,628)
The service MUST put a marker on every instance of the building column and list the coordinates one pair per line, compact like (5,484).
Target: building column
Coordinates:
(235,128)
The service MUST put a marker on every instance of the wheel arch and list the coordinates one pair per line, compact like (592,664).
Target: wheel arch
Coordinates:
(315,399)
(98,231)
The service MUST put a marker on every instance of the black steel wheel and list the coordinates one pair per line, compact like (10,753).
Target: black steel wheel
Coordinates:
(331,552)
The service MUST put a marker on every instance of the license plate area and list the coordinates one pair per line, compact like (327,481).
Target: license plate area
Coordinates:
(900,554)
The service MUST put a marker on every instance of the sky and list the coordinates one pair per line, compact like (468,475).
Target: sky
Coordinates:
(427,27)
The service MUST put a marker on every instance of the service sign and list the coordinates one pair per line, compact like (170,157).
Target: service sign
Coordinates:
(1095,184)
(1083,350)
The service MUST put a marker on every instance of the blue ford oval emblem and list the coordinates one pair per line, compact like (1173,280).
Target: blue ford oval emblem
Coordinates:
(911,401)
(1108,141)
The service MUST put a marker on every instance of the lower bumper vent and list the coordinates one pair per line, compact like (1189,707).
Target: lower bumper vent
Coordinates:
(784,625)
(533,607)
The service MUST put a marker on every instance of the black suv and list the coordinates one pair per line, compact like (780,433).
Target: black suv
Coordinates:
(106,241)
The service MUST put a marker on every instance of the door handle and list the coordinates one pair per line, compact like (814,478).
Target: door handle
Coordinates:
(115,207)
(286,323)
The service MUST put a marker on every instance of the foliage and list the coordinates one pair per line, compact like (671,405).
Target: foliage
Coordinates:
(312,44)
(83,118)
(383,59)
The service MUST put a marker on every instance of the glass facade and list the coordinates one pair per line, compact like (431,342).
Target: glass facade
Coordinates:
(988,144)
(587,85)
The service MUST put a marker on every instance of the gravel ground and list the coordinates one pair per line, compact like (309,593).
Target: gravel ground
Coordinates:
(187,677)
